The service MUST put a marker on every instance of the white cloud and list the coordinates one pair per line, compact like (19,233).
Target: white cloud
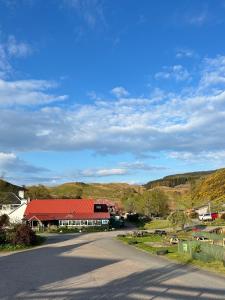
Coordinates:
(119,92)
(140,165)
(176,72)
(102,172)
(17,49)
(185,53)
(213,72)
(191,121)
(91,12)
(209,156)
(9,49)
(198,19)
(27,92)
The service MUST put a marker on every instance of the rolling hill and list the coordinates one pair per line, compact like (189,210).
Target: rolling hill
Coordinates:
(177,179)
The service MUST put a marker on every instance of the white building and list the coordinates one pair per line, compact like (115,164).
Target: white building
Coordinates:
(204,209)
(16,210)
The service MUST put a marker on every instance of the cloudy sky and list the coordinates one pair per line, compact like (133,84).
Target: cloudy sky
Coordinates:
(110,91)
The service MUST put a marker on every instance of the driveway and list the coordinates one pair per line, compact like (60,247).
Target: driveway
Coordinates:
(97,266)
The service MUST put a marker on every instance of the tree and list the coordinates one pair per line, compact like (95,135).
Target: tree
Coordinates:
(79,193)
(39,192)
(178,218)
(155,202)
(4,220)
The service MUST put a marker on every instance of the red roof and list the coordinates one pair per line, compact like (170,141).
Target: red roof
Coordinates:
(63,209)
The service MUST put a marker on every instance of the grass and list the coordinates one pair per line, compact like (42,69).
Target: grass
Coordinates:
(157,224)
(213,266)
(140,243)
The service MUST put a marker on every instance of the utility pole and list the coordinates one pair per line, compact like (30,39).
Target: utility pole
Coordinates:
(209,207)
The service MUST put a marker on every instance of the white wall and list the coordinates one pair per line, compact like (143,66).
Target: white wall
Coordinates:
(16,216)
(202,210)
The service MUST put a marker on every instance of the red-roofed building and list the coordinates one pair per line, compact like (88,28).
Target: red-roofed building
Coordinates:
(66,212)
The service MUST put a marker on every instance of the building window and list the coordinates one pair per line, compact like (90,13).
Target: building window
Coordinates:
(84,222)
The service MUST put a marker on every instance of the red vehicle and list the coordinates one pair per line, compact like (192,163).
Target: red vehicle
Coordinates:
(214,216)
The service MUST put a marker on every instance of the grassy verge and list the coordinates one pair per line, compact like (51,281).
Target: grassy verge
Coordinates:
(142,243)
(10,247)
(157,224)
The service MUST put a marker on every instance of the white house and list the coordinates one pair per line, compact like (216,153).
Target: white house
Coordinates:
(16,210)
(204,209)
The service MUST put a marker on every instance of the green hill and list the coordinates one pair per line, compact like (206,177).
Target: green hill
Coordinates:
(112,191)
(177,179)
(211,188)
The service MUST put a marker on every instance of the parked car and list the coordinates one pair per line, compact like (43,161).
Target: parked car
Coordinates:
(174,240)
(160,232)
(214,216)
(201,238)
(205,217)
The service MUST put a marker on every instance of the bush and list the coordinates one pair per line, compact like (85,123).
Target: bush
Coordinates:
(23,235)
(65,229)
(193,215)
(2,236)
(222,217)
(4,220)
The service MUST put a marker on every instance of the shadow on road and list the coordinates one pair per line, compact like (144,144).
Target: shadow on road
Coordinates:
(149,284)
(51,273)
(32,269)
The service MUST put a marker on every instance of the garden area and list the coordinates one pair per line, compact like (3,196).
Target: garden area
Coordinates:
(200,249)
(17,236)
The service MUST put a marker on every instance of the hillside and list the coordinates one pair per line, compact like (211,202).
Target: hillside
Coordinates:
(5,189)
(112,191)
(211,188)
(177,179)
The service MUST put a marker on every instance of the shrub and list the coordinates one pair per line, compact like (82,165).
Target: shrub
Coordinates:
(2,236)
(193,215)
(4,220)
(23,235)
(222,217)
(65,229)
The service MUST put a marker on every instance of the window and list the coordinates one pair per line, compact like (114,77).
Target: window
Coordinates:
(90,222)
(105,222)
(100,208)
(97,222)
(84,222)
(77,223)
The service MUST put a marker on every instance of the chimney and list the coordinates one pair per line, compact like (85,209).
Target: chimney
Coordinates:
(21,194)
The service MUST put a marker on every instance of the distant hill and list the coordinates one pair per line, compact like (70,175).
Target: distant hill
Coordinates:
(177,179)
(112,191)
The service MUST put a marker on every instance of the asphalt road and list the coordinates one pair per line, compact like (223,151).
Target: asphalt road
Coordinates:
(96,266)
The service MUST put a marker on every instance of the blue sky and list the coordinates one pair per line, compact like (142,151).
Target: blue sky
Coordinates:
(110,91)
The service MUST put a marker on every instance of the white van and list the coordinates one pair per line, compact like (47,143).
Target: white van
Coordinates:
(205,217)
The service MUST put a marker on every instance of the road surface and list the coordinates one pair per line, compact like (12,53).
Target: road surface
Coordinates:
(97,266)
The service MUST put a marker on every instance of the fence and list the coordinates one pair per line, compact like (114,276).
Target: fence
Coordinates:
(202,251)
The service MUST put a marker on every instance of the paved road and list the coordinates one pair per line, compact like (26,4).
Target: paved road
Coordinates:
(96,266)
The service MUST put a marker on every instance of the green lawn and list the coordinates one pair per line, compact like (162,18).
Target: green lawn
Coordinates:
(140,243)
(157,224)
